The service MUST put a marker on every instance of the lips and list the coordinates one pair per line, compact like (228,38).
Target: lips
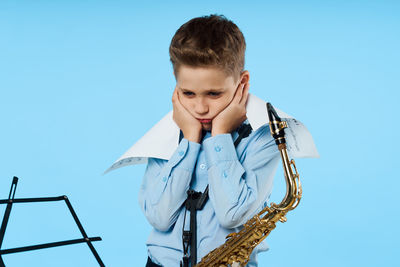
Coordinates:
(205,120)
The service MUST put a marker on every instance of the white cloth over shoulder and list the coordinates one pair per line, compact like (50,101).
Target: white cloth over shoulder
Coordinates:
(162,139)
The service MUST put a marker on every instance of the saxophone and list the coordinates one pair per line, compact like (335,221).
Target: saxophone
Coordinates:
(238,246)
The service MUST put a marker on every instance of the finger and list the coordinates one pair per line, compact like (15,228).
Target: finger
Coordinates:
(177,103)
(178,99)
(239,93)
(174,95)
(175,98)
(245,94)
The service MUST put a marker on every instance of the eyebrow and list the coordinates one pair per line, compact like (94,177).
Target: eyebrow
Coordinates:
(207,90)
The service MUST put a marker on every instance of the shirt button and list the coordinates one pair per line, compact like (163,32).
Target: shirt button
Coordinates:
(225,174)
(217,148)
(202,166)
(164,179)
(181,153)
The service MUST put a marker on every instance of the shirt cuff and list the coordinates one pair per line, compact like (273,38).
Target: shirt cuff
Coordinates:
(219,148)
(185,155)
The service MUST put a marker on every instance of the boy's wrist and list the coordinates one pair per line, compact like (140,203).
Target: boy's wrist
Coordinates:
(193,137)
(215,132)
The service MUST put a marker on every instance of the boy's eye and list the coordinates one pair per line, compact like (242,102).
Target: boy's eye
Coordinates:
(188,93)
(214,93)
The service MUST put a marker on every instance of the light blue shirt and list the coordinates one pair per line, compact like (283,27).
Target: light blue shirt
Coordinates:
(240,183)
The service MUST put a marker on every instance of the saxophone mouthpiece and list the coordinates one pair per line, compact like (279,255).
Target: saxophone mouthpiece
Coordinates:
(276,125)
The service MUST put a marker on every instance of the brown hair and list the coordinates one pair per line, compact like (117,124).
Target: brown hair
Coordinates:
(209,41)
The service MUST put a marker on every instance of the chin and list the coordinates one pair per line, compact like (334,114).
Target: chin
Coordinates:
(206,127)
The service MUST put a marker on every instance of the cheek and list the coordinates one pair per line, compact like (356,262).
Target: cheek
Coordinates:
(187,103)
(221,104)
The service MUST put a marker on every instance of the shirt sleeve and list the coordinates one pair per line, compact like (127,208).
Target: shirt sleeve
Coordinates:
(165,184)
(239,186)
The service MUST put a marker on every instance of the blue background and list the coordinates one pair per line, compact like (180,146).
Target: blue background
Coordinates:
(81,81)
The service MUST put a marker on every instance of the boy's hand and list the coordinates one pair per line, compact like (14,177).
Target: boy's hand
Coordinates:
(234,114)
(189,125)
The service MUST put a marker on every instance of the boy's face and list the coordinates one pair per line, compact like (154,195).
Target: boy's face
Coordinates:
(206,91)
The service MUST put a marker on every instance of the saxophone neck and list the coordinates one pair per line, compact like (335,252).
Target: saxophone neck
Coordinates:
(293,186)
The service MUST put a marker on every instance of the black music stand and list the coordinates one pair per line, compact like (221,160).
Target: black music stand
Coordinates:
(7,212)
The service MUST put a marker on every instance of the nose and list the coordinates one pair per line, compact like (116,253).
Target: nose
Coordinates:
(201,106)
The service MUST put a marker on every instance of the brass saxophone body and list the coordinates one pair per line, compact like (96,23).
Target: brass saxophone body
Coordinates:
(238,246)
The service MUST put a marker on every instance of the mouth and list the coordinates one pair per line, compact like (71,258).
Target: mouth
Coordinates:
(205,120)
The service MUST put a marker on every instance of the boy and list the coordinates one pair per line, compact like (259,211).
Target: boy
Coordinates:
(209,107)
